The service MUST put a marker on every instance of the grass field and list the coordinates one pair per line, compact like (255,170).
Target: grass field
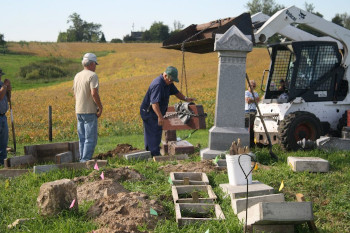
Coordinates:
(125,72)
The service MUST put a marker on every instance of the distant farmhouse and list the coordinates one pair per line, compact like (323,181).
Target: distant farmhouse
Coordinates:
(136,36)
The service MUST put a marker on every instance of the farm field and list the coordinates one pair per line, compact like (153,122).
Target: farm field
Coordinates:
(125,74)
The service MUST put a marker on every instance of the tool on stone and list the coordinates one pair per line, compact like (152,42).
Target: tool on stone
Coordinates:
(273,155)
(8,94)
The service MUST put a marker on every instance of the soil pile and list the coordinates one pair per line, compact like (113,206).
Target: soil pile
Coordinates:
(118,151)
(125,212)
(92,187)
(205,166)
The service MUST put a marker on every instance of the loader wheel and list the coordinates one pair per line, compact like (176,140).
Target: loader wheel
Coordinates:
(295,127)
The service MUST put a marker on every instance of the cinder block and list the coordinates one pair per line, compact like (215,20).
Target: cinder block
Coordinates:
(141,155)
(168,135)
(187,213)
(256,188)
(239,205)
(205,194)
(193,178)
(311,164)
(278,213)
(20,160)
(65,157)
(180,147)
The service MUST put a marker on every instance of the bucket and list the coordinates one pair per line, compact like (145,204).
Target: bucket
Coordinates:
(234,171)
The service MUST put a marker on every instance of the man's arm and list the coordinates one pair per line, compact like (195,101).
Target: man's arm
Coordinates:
(97,100)
(4,88)
(180,96)
(156,110)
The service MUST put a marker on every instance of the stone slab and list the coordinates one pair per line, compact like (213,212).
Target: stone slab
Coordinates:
(194,178)
(46,168)
(239,205)
(141,155)
(197,208)
(207,153)
(170,158)
(332,143)
(180,147)
(9,173)
(221,163)
(189,189)
(65,157)
(266,213)
(20,160)
(174,123)
(100,163)
(311,164)
(239,191)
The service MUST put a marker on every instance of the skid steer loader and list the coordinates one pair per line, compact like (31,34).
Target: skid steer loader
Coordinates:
(306,91)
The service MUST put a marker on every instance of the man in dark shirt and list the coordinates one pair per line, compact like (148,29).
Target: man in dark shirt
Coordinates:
(155,104)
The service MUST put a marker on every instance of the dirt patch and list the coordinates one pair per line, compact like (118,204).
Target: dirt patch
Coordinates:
(118,151)
(205,166)
(124,212)
(92,187)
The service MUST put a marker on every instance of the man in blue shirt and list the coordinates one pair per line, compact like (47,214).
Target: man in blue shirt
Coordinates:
(5,87)
(154,106)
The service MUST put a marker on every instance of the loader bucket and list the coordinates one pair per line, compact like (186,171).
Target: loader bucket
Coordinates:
(204,42)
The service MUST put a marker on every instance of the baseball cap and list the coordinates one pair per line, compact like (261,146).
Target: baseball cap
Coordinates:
(172,72)
(1,73)
(90,57)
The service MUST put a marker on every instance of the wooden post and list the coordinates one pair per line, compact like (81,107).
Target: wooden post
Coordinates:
(50,123)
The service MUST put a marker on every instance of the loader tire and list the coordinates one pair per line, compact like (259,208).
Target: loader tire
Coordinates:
(295,127)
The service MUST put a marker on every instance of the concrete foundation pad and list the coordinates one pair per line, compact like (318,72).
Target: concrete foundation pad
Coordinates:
(46,168)
(311,164)
(180,147)
(270,228)
(65,157)
(20,160)
(9,173)
(187,213)
(267,213)
(221,138)
(239,205)
(332,143)
(180,190)
(207,153)
(169,158)
(239,191)
(141,155)
(193,178)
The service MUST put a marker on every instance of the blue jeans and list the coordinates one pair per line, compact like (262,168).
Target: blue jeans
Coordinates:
(4,137)
(87,132)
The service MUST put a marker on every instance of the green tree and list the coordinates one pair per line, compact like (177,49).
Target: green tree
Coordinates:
(62,37)
(102,39)
(310,8)
(3,43)
(80,30)
(268,7)
(159,32)
(116,40)
(342,20)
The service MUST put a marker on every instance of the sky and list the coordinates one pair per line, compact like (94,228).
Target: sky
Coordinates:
(42,20)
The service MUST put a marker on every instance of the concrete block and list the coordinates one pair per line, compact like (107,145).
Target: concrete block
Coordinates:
(187,213)
(46,168)
(74,148)
(9,173)
(184,194)
(221,163)
(239,191)
(141,155)
(278,213)
(311,164)
(193,178)
(20,160)
(46,152)
(239,205)
(332,143)
(207,153)
(91,163)
(65,157)
(180,147)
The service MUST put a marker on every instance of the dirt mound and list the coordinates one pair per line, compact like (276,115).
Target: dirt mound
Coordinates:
(124,212)
(92,187)
(205,166)
(118,151)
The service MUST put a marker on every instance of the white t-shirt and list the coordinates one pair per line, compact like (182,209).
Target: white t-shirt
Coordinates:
(84,82)
(250,106)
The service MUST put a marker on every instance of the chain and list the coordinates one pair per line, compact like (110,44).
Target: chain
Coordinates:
(183,71)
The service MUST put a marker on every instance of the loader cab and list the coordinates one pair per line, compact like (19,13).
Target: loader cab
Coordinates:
(307,69)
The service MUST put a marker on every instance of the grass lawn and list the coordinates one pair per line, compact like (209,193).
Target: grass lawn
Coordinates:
(329,192)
